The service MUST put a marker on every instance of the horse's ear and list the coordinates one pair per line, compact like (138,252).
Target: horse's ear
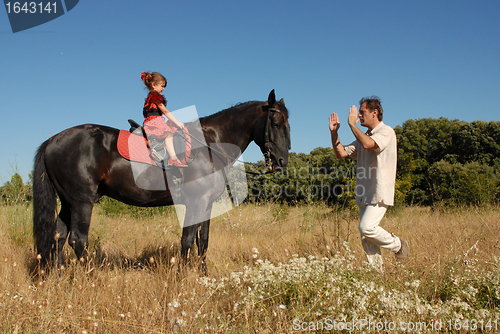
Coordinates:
(282,102)
(271,100)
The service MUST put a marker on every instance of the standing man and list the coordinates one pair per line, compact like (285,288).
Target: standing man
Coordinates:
(376,155)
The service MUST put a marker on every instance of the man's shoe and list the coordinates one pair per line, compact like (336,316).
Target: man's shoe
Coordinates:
(402,254)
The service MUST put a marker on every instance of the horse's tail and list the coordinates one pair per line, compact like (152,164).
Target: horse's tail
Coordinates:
(44,207)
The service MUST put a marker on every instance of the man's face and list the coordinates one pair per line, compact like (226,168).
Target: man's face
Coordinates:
(366,117)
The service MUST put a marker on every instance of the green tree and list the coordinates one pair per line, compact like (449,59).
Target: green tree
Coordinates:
(15,191)
(424,142)
(470,183)
(314,177)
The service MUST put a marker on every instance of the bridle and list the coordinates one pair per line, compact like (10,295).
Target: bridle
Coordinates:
(267,141)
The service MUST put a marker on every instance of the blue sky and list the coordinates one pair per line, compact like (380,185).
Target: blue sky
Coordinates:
(423,58)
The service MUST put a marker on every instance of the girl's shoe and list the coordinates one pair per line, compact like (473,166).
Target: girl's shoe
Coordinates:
(176,163)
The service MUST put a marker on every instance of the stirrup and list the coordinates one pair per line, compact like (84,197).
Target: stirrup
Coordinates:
(155,155)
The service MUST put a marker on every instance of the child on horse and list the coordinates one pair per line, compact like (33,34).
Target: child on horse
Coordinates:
(154,124)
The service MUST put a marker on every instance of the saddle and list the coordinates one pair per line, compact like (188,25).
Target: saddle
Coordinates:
(158,151)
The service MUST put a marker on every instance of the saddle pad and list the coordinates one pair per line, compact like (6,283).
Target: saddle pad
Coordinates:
(133,147)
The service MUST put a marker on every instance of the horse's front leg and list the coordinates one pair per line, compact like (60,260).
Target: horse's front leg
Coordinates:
(197,214)
(202,241)
(188,235)
(198,198)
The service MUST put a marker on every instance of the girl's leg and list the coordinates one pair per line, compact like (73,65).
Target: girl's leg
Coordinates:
(169,144)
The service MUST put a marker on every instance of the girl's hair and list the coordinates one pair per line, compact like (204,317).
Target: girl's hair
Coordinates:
(152,77)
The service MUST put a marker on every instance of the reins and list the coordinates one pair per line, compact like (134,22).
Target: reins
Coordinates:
(227,156)
(267,146)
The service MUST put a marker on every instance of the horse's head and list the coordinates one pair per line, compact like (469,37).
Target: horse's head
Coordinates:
(274,140)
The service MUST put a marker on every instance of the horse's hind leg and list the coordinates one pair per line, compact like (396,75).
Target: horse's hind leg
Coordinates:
(62,223)
(79,232)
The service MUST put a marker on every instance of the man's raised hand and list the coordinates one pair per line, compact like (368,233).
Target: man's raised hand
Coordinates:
(334,122)
(353,115)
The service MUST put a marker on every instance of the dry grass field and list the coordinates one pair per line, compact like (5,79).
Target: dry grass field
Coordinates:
(272,269)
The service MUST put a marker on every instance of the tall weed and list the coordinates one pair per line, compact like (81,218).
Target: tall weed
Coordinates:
(272,268)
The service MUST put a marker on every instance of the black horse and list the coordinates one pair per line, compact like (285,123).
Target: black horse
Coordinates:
(82,164)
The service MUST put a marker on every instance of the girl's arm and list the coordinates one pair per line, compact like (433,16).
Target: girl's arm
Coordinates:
(170,116)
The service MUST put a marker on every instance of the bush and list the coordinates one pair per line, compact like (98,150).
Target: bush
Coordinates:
(15,191)
(112,207)
(471,183)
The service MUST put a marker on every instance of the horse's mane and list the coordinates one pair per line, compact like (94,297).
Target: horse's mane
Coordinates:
(236,109)
(224,113)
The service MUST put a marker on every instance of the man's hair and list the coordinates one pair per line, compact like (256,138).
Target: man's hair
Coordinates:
(372,103)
